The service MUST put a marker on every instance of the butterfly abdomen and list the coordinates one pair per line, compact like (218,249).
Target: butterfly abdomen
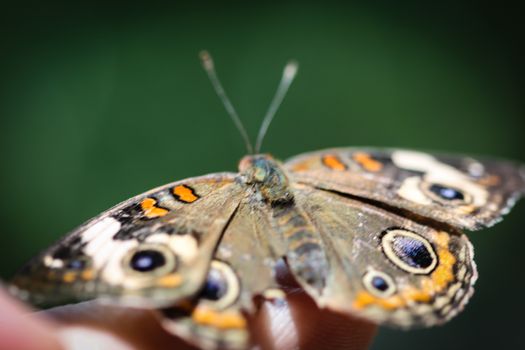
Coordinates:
(305,252)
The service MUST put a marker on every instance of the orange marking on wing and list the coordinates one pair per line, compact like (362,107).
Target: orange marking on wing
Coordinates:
(88,274)
(430,286)
(467,209)
(150,209)
(170,281)
(301,166)
(367,162)
(333,162)
(220,320)
(490,180)
(69,277)
(185,194)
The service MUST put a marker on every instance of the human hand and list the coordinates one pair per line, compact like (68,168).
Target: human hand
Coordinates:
(296,324)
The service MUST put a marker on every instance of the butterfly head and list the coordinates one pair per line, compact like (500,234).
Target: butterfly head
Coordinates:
(267,175)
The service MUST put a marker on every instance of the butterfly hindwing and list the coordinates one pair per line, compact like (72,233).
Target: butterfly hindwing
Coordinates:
(150,250)
(242,270)
(459,191)
(387,268)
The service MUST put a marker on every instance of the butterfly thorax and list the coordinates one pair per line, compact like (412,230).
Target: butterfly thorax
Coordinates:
(267,176)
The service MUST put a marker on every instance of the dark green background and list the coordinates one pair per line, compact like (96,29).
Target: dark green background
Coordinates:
(101,102)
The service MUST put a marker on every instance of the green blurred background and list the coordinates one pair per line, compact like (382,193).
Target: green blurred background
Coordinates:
(101,101)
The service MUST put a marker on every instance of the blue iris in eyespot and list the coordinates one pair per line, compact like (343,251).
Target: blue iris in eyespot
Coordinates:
(379,283)
(147,260)
(446,192)
(76,264)
(215,286)
(412,251)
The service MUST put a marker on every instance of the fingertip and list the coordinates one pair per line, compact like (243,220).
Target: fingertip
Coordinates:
(326,329)
(273,326)
(112,327)
(19,330)
(297,322)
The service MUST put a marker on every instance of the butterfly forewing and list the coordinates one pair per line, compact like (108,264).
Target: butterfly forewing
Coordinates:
(150,250)
(459,191)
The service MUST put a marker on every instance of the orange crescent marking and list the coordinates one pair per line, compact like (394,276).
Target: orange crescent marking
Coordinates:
(185,194)
(150,209)
(69,277)
(333,163)
(220,320)
(367,162)
(430,286)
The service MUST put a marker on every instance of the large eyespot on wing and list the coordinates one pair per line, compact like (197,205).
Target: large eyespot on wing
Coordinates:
(148,251)
(222,286)
(425,296)
(387,268)
(211,320)
(460,191)
(409,251)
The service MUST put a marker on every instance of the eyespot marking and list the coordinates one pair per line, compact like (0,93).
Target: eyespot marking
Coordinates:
(333,162)
(215,287)
(417,188)
(222,287)
(379,283)
(446,193)
(76,264)
(430,286)
(367,162)
(148,261)
(185,194)
(409,251)
(151,210)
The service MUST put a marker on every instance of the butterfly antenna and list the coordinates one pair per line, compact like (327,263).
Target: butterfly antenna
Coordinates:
(209,67)
(289,72)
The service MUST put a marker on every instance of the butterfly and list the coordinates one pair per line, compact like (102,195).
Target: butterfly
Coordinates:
(372,233)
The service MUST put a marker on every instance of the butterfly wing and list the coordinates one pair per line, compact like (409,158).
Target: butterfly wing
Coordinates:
(243,268)
(387,268)
(150,250)
(460,191)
